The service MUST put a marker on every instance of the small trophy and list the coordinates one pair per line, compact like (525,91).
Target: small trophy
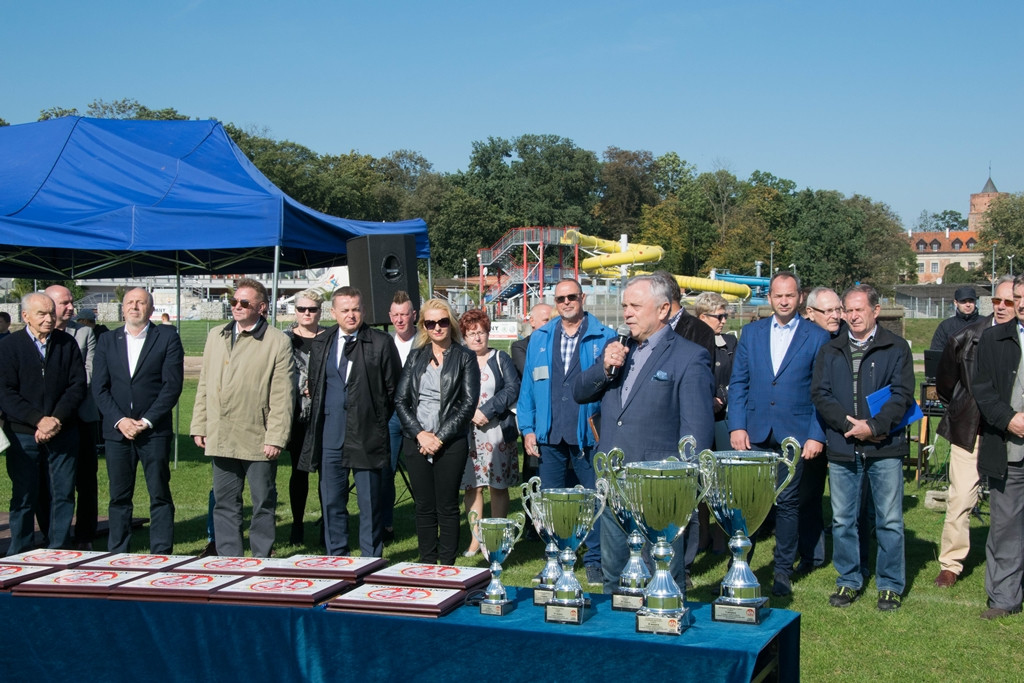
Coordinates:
(496,536)
(662,496)
(742,490)
(543,592)
(569,515)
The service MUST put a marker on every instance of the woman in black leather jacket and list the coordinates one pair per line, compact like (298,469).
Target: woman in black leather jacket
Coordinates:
(435,401)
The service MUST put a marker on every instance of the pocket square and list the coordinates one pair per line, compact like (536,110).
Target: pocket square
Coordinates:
(660,376)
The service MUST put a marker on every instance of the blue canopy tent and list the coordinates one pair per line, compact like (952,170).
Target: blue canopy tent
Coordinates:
(88,198)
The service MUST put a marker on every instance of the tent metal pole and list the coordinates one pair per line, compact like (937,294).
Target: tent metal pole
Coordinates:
(177,322)
(430,280)
(273,286)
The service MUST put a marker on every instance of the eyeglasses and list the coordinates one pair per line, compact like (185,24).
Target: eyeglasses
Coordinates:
(307,309)
(244,303)
(827,311)
(566,297)
(722,317)
(478,334)
(996,301)
(443,323)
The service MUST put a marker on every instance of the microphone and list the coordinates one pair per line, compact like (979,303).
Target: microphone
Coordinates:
(622,336)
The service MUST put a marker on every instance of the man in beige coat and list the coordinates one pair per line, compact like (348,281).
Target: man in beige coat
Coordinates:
(243,416)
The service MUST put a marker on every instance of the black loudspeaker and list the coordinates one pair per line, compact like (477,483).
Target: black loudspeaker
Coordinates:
(379,266)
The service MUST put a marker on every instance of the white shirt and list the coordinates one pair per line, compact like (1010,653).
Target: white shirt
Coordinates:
(342,338)
(135,344)
(404,347)
(781,338)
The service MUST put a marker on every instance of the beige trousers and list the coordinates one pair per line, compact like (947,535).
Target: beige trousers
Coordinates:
(964,485)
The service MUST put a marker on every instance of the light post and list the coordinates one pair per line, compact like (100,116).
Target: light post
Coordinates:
(465,270)
(994,262)
(792,268)
(1010,257)
(771,259)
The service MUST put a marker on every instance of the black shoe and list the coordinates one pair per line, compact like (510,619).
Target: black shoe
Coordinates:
(843,597)
(998,613)
(689,582)
(210,550)
(387,536)
(889,601)
(298,535)
(595,577)
(782,586)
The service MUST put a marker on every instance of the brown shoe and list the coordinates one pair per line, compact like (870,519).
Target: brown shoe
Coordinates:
(998,613)
(945,579)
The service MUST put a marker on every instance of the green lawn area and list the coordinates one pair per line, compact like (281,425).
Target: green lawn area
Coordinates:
(936,636)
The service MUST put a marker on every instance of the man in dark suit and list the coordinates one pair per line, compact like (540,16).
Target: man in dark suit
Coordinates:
(661,392)
(42,383)
(686,326)
(137,378)
(353,373)
(770,399)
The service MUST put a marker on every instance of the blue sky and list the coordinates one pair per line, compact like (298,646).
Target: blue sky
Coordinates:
(905,102)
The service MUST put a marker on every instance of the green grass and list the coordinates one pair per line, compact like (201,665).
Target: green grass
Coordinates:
(936,636)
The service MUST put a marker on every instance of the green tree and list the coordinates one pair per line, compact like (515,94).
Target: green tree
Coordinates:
(956,275)
(827,240)
(887,258)
(1002,226)
(672,174)
(22,286)
(626,186)
(289,165)
(464,224)
(938,222)
(3,122)
(131,109)
(56,113)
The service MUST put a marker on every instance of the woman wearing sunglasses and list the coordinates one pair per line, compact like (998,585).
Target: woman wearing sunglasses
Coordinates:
(306,328)
(710,307)
(435,401)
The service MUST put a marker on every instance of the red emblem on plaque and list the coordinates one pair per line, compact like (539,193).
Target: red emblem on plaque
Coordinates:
(182,580)
(233,563)
(324,562)
(399,594)
(86,577)
(8,570)
(280,585)
(139,561)
(431,570)
(53,556)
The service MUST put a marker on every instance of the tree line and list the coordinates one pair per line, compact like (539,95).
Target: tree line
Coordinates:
(703,219)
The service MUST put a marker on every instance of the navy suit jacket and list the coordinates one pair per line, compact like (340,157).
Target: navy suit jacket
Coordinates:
(151,392)
(671,398)
(766,404)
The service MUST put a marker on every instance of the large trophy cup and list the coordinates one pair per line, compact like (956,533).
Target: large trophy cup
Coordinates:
(629,594)
(568,516)
(496,536)
(741,493)
(545,590)
(662,496)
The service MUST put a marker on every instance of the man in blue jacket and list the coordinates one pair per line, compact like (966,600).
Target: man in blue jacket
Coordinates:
(554,426)
(770,399)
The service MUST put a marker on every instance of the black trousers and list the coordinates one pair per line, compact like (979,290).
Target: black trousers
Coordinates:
(436,487)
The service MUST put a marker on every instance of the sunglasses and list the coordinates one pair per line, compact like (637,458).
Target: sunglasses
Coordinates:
(244,303)
(443,323)
(827,311)
(567,297)
(722,317)
(1001,302)
(307,309)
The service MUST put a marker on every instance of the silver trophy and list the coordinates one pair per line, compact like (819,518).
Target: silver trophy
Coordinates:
(545,590)
(568,516)
(662,496)
(629,594)
(743,488)
(496,536)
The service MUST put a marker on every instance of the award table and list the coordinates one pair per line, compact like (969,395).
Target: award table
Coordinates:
(115,640)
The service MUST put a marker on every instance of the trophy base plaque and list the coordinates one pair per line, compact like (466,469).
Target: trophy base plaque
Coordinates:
(627,602)
(663,624)
(542,596)
(496,609)
(740,614)
(568,614)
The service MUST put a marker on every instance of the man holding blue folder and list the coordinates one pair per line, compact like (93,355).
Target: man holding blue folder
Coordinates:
(864,443)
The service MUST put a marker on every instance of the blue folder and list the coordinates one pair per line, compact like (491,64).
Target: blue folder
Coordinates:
(878,399)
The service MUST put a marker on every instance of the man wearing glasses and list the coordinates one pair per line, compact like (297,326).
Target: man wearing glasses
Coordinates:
(555,427)
(243,416)
(960,426)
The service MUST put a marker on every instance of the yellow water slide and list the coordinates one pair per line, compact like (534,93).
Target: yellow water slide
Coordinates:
(611,255)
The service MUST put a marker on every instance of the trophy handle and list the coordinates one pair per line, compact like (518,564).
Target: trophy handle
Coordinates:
(609,466)
(530,489)
(793,446)
(519,520)
(707,478)
(474,527)
(603,489)
(688,448)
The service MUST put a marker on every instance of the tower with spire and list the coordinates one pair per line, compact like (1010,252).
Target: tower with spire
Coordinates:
(980,202)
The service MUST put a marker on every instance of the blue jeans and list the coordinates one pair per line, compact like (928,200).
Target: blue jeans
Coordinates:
(886,478)
(23,462)
(387,489)
(564,466)
(616,552)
